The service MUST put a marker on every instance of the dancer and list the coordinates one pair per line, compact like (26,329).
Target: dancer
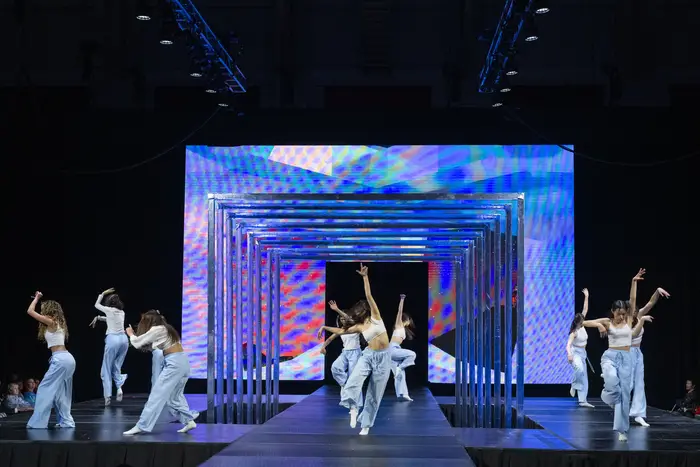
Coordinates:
(116,343)
(375,362)
(401,358)
(638,409)
(56,388)
(617,362)
(154,332)
(576,354)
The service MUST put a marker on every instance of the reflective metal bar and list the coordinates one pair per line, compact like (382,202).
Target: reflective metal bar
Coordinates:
(268,353)
(239,324)
(488,350)
(480,332)
(220,317)
(211,309)
(509,319)
(471,289)
(250,343)
(276,314)
(464,344)
(459,356)
(497,341)
(520,384)
(228,310)
(258,333)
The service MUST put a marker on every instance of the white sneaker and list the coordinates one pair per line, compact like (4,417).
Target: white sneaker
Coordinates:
(622,437)
(191,425)
(134,431)
(403,398)
(586,404)
(353,417)
(572,391)
(641,421)
(120,395)
(108,400)
(364,432)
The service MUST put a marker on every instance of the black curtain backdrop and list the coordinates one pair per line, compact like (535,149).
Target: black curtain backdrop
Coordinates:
(388,281)
(72,235)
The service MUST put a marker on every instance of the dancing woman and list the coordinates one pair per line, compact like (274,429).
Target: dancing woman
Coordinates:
(56,388)
(343,365)
(375,363)
(576,354)
(116,343)
(638,409)
(154,332)
(401,358)
(617,362)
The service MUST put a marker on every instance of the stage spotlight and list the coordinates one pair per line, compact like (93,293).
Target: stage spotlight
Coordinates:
(504,85)
(143,10)
(511,68)
(530,30)
(210,90)
(168,31)
(541,7)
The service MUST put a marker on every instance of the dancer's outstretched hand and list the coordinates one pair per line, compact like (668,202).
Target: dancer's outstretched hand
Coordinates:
(323,351)
(402,296)
(333,305)
(570,358)
(585,292)
(38,295)
(602,330)
(640,275)
(663,293)
(319,335)
(363,270)
(647,318)
(129,331)
(108,291)
(93,322)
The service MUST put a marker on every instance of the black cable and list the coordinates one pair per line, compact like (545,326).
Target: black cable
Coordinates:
(145,161)
(689,155)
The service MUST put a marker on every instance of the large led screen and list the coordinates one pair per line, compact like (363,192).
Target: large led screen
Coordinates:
(544,173)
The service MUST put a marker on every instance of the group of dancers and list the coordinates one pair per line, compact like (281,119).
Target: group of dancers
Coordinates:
(380,357)
(170,368)
(622,363)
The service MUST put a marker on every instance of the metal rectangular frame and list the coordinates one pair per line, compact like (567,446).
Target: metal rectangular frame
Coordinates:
(476,326)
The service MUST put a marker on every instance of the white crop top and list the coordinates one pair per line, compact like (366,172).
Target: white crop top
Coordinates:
(581,338)
(376,328)
(638,340)
(350,341)
(113,316)
(619,337)
(399,332)
(157,338)
(55,338)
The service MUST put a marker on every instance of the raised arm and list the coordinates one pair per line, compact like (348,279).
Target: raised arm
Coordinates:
(146,339)
(569,343)
(339,331)
(399,315)
(334,307)
(640,324)
(652,301)
(31,311)
(584,312)
(368,293)
(633,288)
(596,323)
(98,304)
(328,341)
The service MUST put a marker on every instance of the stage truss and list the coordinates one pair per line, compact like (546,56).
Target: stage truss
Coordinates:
(250,235)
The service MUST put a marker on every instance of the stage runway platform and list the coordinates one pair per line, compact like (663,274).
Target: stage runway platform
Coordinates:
(315,432)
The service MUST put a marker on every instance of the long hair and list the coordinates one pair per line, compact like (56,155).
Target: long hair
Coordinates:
(359,312)
(408,325)
(343,323)
(113,301)
(154,318)
(576,322)
(52,309)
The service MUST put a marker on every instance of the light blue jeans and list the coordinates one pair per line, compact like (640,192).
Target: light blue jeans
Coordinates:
(617,374)
(169,391)
(157,362)
(401,358)
(375,364)
(342,367)
(580,381)
(116,346)
(55,391)
(639,397)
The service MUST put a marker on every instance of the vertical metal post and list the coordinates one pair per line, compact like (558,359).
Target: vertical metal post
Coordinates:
(228,309)
(220,317)
(471,294)
(465,303)
(250,343)
(276,381)
(488,350)
(258,334)
(459,355)
(268,353)
(480,339)
(497,341)
(211,308)
(239,325)
(520,304)
(508,309)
